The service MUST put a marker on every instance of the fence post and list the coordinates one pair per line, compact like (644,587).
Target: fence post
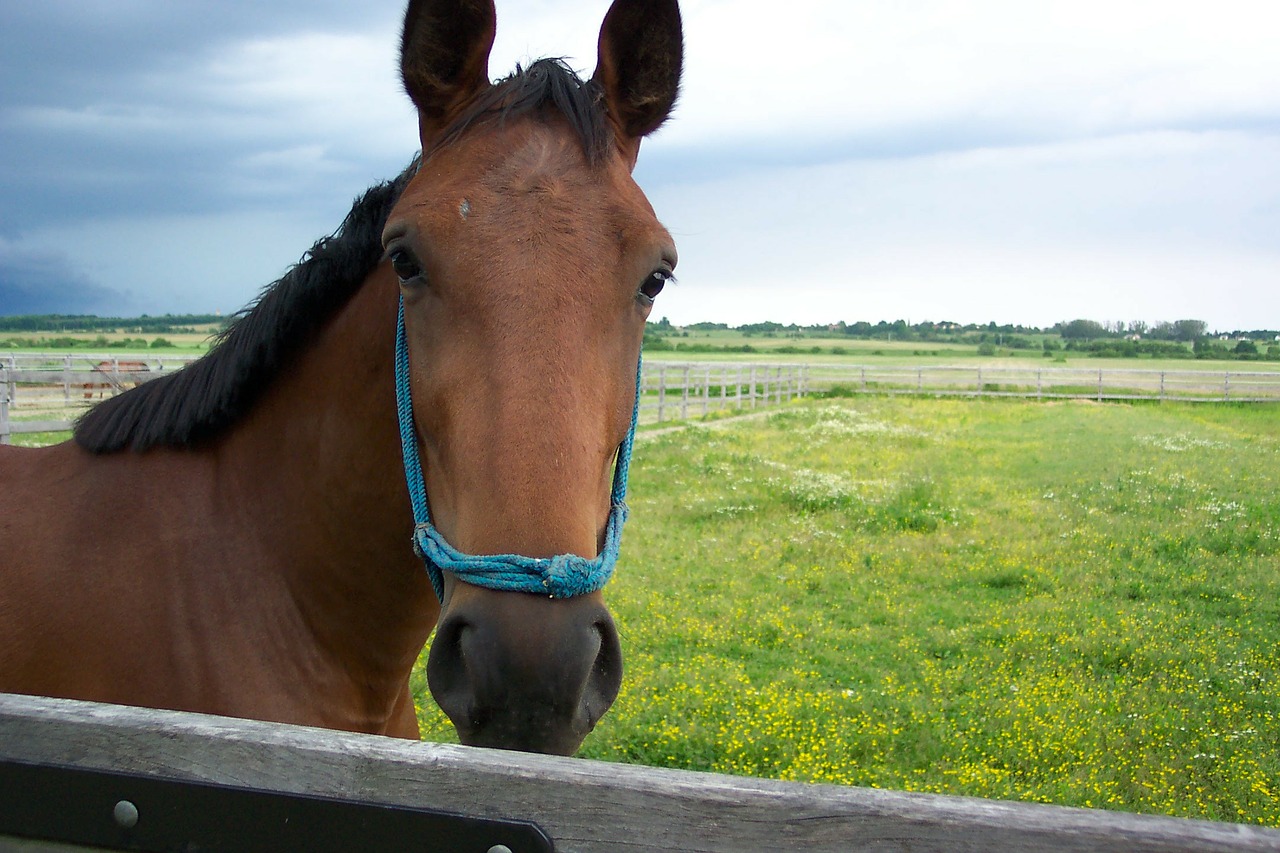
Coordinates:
(1162,386)
(981,390)
(66,380)
(11,379)
(919,380)
(752,393)
(706,390)
(864,380)
(4,414)
(1226,386)
(737,386)
(1039,387)
(684,395)
(662,389)
(1099,384)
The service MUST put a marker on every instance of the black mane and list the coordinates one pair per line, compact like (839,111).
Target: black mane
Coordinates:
(197,403)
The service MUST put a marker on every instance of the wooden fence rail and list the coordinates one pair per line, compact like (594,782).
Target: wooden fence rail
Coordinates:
(677,391)
(580,805)
(1109,383)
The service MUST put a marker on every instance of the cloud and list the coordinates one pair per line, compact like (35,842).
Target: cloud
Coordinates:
(1031,70)
(45,282)
(1147,225)
(154,116)
(981,156)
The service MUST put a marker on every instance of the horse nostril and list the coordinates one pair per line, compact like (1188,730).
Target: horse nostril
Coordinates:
(448,675)
(606,672)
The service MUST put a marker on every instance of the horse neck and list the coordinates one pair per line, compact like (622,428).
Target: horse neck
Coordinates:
(316,472)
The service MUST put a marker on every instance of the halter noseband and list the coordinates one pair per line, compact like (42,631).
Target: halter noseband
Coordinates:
(562,576)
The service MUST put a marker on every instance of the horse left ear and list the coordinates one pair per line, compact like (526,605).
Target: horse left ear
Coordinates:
(641,55)
(444,55)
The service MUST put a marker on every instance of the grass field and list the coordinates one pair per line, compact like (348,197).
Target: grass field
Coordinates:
(1071,603)
(125,342)
(1061,602)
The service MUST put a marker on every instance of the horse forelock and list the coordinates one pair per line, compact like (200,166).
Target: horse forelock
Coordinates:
(547,86)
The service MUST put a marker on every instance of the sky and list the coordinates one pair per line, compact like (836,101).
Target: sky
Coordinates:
(988,160)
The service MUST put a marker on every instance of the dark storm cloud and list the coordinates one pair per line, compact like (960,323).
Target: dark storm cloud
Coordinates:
(102,107)
(76,51)
(1072,160)
(46,283)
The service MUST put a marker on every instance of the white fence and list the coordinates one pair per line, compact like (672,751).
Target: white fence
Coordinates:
(567,805)
(1239,386)
(43,393)
(680,391)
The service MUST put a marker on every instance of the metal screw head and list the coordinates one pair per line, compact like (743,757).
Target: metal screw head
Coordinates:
(125,814)
(499,848)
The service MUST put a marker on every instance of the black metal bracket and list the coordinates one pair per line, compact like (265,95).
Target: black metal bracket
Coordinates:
(121,811)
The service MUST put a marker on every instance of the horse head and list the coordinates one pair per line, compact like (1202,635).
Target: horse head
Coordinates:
(528,261)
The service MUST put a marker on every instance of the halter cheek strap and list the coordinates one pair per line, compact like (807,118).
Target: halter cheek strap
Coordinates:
(562,576)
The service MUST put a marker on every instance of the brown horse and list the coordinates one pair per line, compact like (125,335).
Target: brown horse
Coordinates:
(269,572)
(111,376)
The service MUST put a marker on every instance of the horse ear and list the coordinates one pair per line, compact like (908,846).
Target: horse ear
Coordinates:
(641,54)
(444,54)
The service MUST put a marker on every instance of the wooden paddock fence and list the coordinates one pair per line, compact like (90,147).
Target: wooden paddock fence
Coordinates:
(1091,383)
(112,777)
(44,393)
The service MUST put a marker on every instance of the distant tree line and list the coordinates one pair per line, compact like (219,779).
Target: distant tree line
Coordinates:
(168,323)
(1179,330)
(1112,339)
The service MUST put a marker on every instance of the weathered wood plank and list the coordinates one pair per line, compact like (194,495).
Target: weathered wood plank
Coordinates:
(21,427)
(583,805)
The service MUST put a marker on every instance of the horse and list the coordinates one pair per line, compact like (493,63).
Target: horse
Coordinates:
(271,570)
(112,381)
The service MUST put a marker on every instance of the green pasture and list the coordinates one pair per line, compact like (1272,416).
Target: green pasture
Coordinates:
(1061,602)
(1069,602)
(706,345)
(115,342)
(39,439)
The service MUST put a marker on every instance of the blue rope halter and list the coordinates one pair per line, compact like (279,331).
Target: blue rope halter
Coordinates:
(562,576)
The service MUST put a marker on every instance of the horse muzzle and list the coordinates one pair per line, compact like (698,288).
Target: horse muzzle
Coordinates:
(526,672)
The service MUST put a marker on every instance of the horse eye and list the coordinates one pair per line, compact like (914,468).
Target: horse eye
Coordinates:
(653,285)
(405,265)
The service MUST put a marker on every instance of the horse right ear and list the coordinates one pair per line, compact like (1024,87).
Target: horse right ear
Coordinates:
(640,60)
(444,55)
